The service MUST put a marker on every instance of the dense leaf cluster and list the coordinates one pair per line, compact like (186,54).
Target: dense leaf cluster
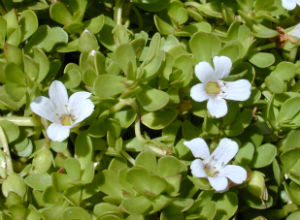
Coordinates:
(137,58)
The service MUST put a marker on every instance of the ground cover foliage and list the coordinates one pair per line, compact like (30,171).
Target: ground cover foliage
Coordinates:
(128,159)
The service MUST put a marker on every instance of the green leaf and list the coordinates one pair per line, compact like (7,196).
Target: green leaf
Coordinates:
(108,85)
(77,213)
(61,181)
(73,169)
(39,181)
(262,59)
(285,70)
(42,160)
(95,24)
(204,46)
(125,57)
(177,12)
(24,148)
(146,160)
(59,146)
(275,84)
(125,117)
(152,99)
(146,183)
(83,150)
(59,13)
(227,204)
(29,23)
(11,21)
(262,31)
(264,155)
(12,132)
(136,206)
(104,208)
(43,62)
(159,119)
(170,166)
(14,183)
(289,159)
(47,38)
(52,196)
(245,153)
(162,26)
(13,54)
(72,76)
(87,42)
(289,112)
(31,68)
(154,48)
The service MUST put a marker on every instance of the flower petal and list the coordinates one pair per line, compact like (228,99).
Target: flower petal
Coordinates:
(81,106)
(219,183)
(43,107)
(58,132)
(222,66)
(59,96)
(296,31)
(198,92)
(217,107)
(204,72)
(288,4)
(225,151)
(239,90)
(198,147)
(236,174)
(198,169)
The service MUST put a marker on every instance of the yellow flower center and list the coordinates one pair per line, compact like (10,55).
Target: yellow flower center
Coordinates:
(212,88)
(209,171)
(67,119)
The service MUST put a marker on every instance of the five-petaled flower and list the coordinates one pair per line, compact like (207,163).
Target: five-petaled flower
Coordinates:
(214,166)
(216,90)
(64,113)
(290,4)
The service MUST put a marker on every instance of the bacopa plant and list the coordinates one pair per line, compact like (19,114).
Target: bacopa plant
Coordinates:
(149,110)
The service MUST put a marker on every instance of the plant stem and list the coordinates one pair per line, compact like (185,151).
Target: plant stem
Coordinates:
(118,12)
(3,139)
(20,121)
(137,130)
(128,157)
(267,46)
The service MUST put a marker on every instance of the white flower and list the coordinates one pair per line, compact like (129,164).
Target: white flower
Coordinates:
(65,113)
(216,90)
(214,166)
(290,4)
(295,31)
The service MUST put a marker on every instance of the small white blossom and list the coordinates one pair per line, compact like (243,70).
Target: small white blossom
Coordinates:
(64,113)
(214,166)
(290,4)
(295,31)
(215,90)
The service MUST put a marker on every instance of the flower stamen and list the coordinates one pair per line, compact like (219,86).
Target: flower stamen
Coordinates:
(212,88)
(67,119)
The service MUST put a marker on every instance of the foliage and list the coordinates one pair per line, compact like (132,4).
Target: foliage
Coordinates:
(137,59)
